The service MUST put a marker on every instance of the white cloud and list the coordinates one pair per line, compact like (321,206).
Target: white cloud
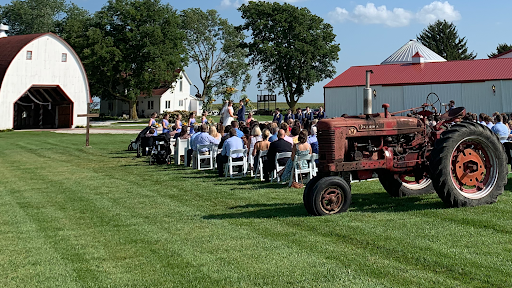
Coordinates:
(438,11)
(398,17)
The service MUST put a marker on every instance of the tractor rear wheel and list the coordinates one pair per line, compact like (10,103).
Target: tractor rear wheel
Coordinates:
(400,185)
(468,166)
(329,195)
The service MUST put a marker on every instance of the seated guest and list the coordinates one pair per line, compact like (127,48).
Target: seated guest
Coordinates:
(232,143)
(225,137)
(183,133)
(203,138)
(213,132)
(220,129)
(313,141)
(151,132)
(260,146)
(488,122)
(501,129)
(273,132)
(235,125)
(295,134)
(255,137)
(302,148)
(279,146)
(193,144)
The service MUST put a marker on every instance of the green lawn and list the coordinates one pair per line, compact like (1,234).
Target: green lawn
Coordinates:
(72,217)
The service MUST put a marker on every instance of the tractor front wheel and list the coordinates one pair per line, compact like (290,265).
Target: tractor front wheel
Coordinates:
(468,166)
(329,195)
(400,185)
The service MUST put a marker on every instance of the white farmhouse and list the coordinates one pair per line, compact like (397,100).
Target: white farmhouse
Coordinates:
(405,79)
(42,82)
(162,99)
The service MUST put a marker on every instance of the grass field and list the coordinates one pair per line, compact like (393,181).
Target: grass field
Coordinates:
(95,217)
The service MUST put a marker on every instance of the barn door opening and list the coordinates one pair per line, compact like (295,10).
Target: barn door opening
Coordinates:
(43,107)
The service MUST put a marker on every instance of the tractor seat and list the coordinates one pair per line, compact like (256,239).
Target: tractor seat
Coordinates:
(454,113)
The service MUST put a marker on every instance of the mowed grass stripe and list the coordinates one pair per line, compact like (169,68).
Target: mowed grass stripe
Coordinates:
(195,229)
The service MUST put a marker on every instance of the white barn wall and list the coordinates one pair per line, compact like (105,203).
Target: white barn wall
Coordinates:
(46,68)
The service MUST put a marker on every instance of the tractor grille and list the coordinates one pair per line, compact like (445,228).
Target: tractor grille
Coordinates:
(326,145)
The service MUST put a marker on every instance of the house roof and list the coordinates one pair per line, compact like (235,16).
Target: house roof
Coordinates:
(427,73)
(406,52)
(10,47)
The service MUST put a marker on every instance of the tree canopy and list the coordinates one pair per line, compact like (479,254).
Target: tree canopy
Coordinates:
(442,38)
(35,16)
(503,47)
(133,47)
(213,44)
(292,48)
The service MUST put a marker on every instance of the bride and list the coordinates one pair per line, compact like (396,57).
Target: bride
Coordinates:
(227,113)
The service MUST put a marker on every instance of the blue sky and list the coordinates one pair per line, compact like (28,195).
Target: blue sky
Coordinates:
(369,31)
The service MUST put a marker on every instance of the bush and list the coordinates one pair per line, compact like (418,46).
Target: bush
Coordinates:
(6,130)
(174,114)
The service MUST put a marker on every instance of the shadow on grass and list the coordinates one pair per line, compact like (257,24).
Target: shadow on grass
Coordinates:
(274,210)
(382,202)
(361,203)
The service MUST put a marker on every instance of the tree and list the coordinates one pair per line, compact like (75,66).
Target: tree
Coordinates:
(33,16)
(442,38)
(212,44)
(133,47)
(504,47)
(293,48)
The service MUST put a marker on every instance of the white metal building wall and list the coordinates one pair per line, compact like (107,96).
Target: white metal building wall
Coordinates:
(476,97)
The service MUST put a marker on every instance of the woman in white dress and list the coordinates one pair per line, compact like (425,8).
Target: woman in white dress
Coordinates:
(228,116)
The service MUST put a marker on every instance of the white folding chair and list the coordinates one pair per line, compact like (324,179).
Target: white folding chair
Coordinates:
(314,157)
(260,165)
(181,150)
(228,168)
(296,172)
(198,157)
(278,168)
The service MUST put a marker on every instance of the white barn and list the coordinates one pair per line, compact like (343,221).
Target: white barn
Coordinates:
(406,78)
(161,100)
(43,83)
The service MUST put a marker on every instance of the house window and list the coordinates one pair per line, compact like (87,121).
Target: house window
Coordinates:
(181,86)
(64,57)
(180,103)
(29,55)
(167,104)
(110,106)
(150,105)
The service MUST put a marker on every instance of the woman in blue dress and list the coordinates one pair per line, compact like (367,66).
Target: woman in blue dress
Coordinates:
(191,122)
(302,148)
(165,124)
(178,123)
(203,118)
(152,122)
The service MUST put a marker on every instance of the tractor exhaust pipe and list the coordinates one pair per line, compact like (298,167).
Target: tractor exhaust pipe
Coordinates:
(367,95)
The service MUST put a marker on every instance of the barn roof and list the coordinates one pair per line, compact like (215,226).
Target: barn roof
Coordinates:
(9,48)
(406,52)
(427,73)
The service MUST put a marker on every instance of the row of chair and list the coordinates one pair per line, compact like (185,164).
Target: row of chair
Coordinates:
(208,161)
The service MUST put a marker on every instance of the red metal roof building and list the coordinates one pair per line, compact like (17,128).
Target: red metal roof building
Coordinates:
(470,83)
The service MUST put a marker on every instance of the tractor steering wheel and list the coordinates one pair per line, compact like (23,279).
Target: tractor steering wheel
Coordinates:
(430,101)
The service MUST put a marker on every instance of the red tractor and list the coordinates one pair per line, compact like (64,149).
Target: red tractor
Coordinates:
(464,162)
